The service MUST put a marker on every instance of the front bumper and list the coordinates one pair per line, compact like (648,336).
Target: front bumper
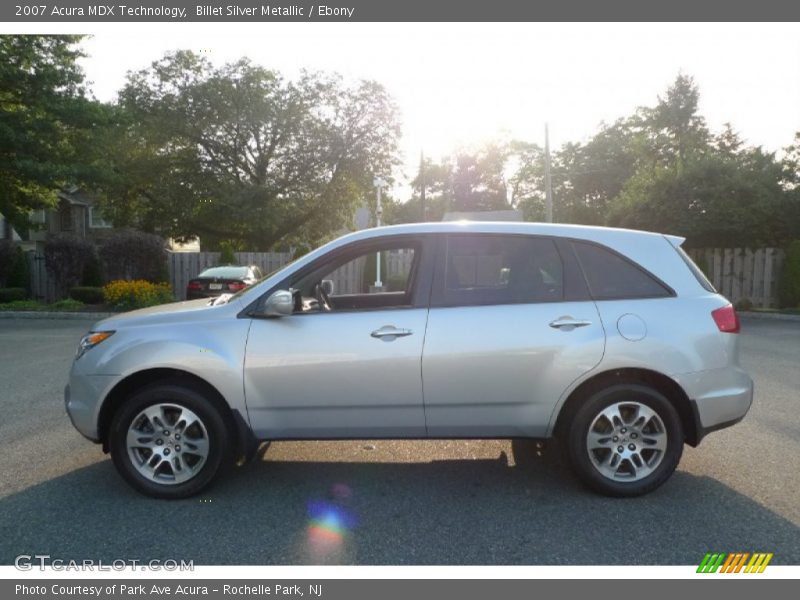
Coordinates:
(83,397)
(719,397)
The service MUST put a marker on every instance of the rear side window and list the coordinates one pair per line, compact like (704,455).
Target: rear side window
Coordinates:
(611,276)
(494,269)
(698,274)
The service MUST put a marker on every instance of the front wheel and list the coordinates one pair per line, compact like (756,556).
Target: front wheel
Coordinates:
(625,440)
(169,441)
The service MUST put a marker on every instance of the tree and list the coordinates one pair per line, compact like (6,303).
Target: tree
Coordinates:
(715,200)
(46,122)
(239,154)
(479,182)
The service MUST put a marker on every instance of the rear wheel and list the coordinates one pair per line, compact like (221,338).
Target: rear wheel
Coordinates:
(169,441)
(625,440)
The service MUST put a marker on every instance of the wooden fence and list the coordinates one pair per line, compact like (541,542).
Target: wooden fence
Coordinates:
(742,273)
(737,273)
(348,279)
(43,287)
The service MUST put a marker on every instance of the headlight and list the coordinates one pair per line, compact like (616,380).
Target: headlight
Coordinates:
(90,340)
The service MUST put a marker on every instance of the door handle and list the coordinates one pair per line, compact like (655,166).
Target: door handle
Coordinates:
(389,332)
(568,323)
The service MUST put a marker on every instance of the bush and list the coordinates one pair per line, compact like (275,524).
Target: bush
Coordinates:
(65,258)
(128,295)
(20,275)
(13,294)
(132,255)
(27,305)
(789,287)
(93,273)
(67,304)
(6,260)
(87,294)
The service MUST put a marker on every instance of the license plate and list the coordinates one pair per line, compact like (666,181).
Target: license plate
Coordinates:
(215,286)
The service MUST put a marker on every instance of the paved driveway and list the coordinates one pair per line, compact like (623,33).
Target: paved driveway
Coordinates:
(387,502)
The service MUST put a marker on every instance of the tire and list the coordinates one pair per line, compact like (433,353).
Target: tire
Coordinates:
(633,455)
(168,440)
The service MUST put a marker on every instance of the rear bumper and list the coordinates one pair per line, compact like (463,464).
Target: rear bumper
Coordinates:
(719,397)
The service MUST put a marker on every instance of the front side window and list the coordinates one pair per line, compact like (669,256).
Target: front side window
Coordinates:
(611,276)
(373,277)
(501,269)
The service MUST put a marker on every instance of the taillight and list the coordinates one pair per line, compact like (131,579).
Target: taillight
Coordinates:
(194,285)
(236,286)
(726,319)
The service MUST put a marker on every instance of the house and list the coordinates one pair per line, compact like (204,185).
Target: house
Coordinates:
(7,232)
(75,214)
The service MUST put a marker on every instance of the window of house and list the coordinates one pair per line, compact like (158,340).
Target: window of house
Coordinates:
(66,217)
(96,220)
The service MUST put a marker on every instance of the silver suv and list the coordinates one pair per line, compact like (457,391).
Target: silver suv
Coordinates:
(610,340)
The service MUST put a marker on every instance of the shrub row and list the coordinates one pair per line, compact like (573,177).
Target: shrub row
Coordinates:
(13,294)
(127,255)
(129,295)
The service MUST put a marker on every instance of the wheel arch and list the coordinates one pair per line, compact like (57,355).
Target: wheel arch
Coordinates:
(662,383)
(237,424)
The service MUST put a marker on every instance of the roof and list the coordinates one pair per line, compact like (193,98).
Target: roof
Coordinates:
(588,232)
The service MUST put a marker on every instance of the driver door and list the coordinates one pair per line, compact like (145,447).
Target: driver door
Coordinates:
(351,369)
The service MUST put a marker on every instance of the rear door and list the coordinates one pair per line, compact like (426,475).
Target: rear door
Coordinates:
(511,325)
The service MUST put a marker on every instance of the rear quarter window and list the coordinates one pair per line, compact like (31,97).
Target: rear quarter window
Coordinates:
(611,276)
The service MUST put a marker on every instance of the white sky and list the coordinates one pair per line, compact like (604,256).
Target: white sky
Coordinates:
(460,84)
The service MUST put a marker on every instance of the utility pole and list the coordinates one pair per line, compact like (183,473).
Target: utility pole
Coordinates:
(379,184)
(548,188)
(422,184)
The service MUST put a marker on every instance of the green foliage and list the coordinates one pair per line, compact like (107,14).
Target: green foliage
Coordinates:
(87,294)
(13,294)
(134,255)
(789,285)
(7,252)
(46,122)
(65,258)
(26,305)
(713,200)
(226,256)
(20,274)
(237,152)
(93,273)
(66,305)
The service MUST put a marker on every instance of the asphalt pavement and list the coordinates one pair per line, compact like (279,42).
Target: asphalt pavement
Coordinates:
(395,502)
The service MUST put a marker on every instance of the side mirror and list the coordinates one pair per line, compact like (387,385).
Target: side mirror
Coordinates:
(279,304)
(327,286)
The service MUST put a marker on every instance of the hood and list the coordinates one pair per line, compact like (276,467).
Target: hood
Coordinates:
(190,310)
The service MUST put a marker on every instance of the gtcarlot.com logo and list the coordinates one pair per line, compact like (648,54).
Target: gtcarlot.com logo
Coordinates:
(28,562)
(734,562)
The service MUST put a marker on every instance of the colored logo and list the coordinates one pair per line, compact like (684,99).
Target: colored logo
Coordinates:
(735,562)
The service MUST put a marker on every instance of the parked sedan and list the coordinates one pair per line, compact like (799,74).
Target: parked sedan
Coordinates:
(610,340)
(222,280)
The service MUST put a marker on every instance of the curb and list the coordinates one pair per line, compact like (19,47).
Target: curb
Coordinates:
(43,314)
(769,316)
